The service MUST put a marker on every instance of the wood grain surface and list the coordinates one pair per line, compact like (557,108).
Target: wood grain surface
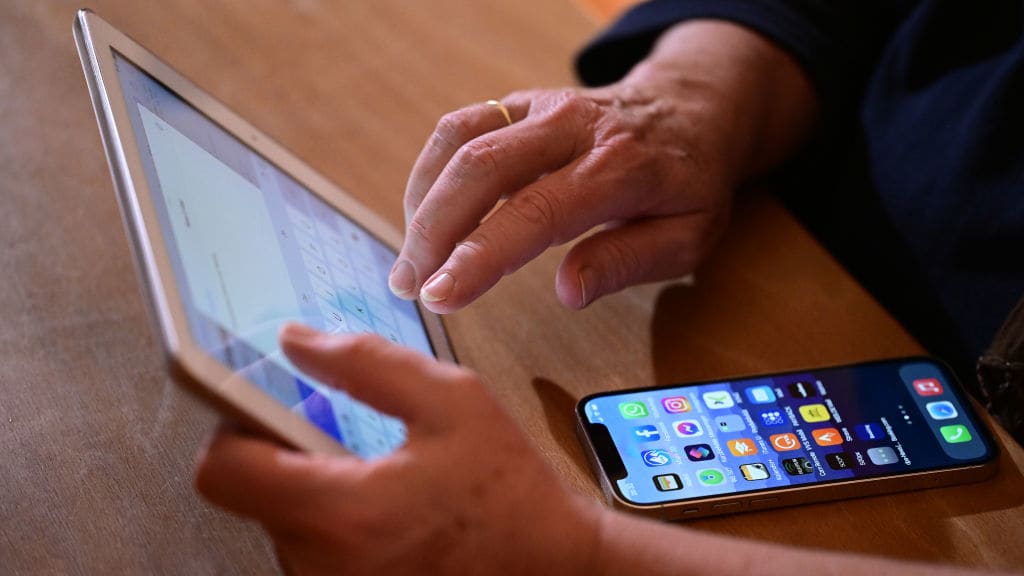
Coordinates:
(97,444)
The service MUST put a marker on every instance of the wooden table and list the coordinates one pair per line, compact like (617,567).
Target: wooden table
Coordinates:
(97,442)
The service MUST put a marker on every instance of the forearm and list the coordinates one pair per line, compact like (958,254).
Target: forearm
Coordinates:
(632,545)
(772,103)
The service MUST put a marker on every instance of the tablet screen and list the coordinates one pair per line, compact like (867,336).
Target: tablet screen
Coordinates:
(251,249)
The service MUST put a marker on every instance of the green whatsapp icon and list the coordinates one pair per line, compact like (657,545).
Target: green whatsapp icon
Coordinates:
(633,410)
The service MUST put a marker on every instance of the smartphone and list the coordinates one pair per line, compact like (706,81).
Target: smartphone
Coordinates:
(709,448)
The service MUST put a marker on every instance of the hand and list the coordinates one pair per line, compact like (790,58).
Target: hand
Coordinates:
(466,493)
(654,158)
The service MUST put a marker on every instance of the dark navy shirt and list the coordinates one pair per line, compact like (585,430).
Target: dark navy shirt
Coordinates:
(916,180)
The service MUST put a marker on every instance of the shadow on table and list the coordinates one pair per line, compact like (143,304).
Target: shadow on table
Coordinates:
(560,413)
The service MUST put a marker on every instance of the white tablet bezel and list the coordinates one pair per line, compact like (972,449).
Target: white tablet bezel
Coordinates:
(226,389)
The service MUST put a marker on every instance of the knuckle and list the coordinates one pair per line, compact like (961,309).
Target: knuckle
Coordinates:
(451,130)
(476,253)
(625,262)
(426,244)
(569,99)
(616,155)
(535,208)
(485,256)
(472,248)
(573,107)
(474,158)
(622,136)
(417,229)
(625,141)
(574,115)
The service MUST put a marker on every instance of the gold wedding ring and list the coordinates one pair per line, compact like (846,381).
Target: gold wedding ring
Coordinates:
(501,107)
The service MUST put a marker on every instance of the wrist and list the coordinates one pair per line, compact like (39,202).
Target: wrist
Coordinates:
(573,538)
(765,104)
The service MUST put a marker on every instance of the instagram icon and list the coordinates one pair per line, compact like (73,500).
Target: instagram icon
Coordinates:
(676,404)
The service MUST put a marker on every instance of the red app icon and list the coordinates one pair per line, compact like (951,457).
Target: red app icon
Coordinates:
(928,387)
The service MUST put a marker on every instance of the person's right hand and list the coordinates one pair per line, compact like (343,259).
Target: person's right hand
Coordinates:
(654,158)
(467,492)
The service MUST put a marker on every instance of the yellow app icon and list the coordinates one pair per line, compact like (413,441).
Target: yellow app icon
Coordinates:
(814,413)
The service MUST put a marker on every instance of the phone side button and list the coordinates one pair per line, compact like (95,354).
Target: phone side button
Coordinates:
(727,507)
(764,502)
(677,514)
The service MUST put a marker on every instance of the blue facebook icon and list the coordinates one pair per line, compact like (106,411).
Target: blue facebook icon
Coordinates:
(647,433)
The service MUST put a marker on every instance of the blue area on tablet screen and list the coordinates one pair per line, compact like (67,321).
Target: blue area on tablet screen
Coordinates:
(318,410)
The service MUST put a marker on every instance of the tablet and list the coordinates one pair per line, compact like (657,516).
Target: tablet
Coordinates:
(233,236)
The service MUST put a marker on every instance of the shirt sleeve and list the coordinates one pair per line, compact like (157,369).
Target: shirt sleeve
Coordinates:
(836,42)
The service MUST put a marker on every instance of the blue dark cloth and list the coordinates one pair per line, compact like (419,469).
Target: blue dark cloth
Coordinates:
(916,181)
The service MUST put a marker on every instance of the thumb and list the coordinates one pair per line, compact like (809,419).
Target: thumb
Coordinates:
(264,481)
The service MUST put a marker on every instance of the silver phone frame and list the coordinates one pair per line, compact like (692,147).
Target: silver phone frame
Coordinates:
(227,390)
(782,497)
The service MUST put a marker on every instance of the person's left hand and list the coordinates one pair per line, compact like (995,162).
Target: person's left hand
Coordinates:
(466,493)
(649,164)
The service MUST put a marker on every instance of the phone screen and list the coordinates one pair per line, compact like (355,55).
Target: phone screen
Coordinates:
(753,434)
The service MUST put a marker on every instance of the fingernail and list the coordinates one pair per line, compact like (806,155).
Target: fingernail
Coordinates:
(402,279)
(438,289)
(296,333)
(587,279)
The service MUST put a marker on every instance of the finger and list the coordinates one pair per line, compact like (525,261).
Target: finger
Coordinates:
(548,212)
(264,481)
(396,380)
(644,251)
(450,134)
(477,175)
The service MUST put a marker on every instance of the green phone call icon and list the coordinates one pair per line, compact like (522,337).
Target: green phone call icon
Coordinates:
(955,434)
